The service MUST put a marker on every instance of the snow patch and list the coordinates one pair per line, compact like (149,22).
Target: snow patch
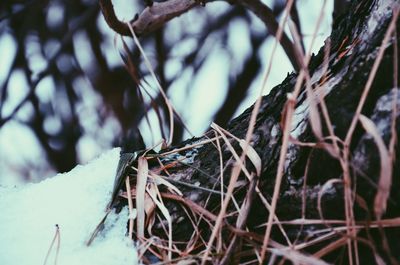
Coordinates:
(76,202)
(300,117)
(382,7)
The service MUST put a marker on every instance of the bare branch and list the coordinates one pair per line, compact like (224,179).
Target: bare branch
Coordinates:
(151,18)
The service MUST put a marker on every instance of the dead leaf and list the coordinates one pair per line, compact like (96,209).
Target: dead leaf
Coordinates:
(252,155)
(143,171)
(154,193)
(385,176)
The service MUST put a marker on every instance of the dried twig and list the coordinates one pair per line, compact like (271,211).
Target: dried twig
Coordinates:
(150,19)
(55,238)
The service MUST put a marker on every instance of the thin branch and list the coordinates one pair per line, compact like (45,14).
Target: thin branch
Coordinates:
(151,18)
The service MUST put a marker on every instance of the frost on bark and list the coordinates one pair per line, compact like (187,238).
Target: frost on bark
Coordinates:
(312,176)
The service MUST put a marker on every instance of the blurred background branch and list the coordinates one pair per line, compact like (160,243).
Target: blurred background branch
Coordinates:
(70,87)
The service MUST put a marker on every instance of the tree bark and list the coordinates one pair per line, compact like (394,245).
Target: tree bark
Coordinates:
(313,187)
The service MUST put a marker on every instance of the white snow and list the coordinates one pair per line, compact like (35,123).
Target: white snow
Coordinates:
(76,202)
(381,9)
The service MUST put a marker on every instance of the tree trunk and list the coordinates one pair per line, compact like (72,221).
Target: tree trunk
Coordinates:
(320,182)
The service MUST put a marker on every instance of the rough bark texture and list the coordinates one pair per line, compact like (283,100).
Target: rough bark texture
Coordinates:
(355,40)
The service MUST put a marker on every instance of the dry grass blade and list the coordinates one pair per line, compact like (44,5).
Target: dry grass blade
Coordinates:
(341,242)
(130,206)
(221,166)
(160,180)
(371,77)
(393,140)
(346,152)
(232,183)
(331,247)
(327,185)
(252,155)
(385,176)
(241,220)
(187,262)
(133,71)
(248,150)
(221,178)
(245,209)
(191,205)
(55,238)
(285,139)
(154,193)
(336,151)
(298,258)
(129,63)
(314,117)
(239,160)
(143,171)
(171,110)
(379,259)
(149,209)
(167,102)
(240,163)
(203,142)
(58,245)
(146,246)
(315,120)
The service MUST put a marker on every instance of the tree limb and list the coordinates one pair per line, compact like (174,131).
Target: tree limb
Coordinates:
(151,18)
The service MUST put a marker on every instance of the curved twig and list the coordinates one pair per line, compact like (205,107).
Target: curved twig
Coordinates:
(151,18)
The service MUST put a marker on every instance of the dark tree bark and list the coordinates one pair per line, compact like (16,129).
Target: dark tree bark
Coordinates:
(314,180)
